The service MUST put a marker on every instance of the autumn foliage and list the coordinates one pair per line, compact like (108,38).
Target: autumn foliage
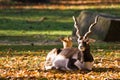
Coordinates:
(14,65)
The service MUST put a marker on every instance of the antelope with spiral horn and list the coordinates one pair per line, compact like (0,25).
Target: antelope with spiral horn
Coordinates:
(73,58)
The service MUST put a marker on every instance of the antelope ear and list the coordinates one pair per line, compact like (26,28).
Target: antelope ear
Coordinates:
(70,38)
(90,40)
(61,39)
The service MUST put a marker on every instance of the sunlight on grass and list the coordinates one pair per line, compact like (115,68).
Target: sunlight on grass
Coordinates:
(26,22)
(24,33)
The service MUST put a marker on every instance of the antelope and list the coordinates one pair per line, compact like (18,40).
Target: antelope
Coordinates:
(67,43)
(73,58)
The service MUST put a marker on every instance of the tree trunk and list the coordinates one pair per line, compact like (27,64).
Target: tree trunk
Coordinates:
(107,28)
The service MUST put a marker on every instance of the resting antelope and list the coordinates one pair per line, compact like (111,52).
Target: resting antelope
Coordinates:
(67,43)
(73,58)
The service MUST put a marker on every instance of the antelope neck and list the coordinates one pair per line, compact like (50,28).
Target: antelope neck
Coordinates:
(86,56)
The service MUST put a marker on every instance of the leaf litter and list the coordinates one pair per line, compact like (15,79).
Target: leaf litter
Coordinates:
(31,66)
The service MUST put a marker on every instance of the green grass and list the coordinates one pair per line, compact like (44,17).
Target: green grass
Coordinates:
(25,48)
(18,23)
(21,25)
(24,24)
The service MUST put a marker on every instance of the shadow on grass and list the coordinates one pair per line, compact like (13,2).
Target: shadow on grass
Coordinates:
(28,20)
(24,25)
(31,38)
(18,50)
(16,19)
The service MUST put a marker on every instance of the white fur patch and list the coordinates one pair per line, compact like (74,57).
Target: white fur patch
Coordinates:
(60,57)
(48,67)
(49,59)
(61,62)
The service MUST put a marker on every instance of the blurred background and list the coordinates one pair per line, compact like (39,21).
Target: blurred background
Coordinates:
(43,22)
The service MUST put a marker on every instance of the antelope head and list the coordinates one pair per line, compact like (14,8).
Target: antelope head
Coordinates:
(83,41)
(67,42)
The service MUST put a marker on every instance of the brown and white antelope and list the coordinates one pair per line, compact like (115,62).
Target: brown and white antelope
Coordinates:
(67,43)
(73,58)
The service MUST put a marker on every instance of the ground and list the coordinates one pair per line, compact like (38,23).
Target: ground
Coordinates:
(27,35)
(30,65)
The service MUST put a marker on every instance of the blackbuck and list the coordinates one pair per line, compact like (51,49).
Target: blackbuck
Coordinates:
(73,58)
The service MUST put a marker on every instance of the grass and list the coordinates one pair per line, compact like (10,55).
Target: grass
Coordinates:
(17,24)
(26,23)
(26,61)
